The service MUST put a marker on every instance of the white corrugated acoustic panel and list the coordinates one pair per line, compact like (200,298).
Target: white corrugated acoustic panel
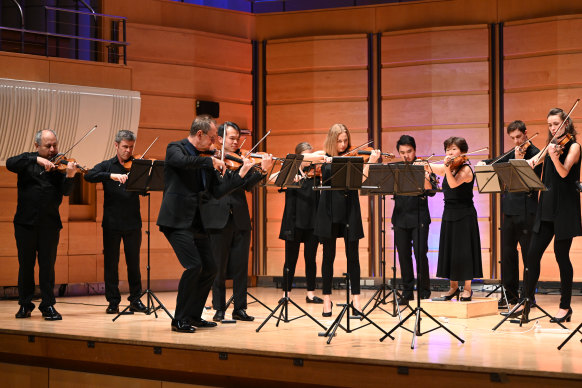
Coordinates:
(70,110)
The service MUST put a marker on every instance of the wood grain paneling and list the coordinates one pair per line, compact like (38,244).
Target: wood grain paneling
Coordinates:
(313,54)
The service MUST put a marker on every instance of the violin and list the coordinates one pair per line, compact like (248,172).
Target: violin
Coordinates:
(555,139)
(562,142)
(457,161)
(365,152)
(127,164)
(61,162)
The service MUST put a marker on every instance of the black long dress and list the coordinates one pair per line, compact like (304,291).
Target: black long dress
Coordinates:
(460,244)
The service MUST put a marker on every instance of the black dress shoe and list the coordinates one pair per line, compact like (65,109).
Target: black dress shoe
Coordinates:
(219,316)
(182,326)
(202,323)
(113,308)
(50,314)
(565,318)
(404,301)
(24,311)
(467,298)
(316,300)
(137,307)
(241,315)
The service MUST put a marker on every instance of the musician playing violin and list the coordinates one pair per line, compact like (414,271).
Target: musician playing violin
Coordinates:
(37,222)
(558,209)
(228,223)
(518,212)
(411,220)
(460,243)
(121,222)
(339,215)
(190,175)
(297,226)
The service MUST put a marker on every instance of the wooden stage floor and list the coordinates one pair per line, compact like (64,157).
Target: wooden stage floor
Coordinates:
(293,353)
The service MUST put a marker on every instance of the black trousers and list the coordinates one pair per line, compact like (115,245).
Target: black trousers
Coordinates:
(310,244)
(515,230)
(30,241)
(405,239)
(353,259)
(131,246)
(538,244)
(230,249)
(193,251)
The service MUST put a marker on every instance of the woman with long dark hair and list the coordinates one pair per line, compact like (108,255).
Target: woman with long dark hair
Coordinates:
(558,212)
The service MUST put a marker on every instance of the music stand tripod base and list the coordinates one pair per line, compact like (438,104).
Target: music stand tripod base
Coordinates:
(145,176)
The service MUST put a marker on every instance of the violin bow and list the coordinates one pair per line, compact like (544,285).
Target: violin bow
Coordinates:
(146,151)
(74,145)
(543,152)
(256,145)
(519,146)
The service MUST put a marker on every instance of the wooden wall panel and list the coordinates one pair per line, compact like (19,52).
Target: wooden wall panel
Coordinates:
(435,84)
(542,59)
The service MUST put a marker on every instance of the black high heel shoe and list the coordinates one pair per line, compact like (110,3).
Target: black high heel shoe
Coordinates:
(451,296)
(565,318)
(328,314)
(466,298)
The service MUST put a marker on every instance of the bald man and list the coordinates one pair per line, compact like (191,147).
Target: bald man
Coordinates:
(37,223)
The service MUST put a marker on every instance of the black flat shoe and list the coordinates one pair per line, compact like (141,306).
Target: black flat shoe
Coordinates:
(466,298)
(451,296)
(24,311)
(202,323)
(404,301)
(137,307)
(182,326)
(241,315)
(219,316)
(113,308)
(50,314)
(565,318)
(316,300)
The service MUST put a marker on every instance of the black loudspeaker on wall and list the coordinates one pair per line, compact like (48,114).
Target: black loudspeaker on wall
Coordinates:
(210,108)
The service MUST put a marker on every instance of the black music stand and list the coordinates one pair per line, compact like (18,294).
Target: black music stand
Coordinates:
(488,183)
(517,176)
(409,180)
(286,178)
(576,330)
(346,174)
(145,176)
(383,177)
(289,171)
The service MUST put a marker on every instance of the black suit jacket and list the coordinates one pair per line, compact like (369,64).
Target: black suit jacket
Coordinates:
(39,193)
(187,179)
(215,212)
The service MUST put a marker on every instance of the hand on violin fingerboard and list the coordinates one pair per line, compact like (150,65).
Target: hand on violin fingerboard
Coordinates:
(218,165)
(72,169)
(247,165)
(121,178)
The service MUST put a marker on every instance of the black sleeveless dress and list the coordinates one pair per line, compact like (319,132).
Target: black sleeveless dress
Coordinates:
(560,204)
(460,242)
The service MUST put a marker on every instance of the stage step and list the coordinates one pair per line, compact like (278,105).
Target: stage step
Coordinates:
(478,307)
